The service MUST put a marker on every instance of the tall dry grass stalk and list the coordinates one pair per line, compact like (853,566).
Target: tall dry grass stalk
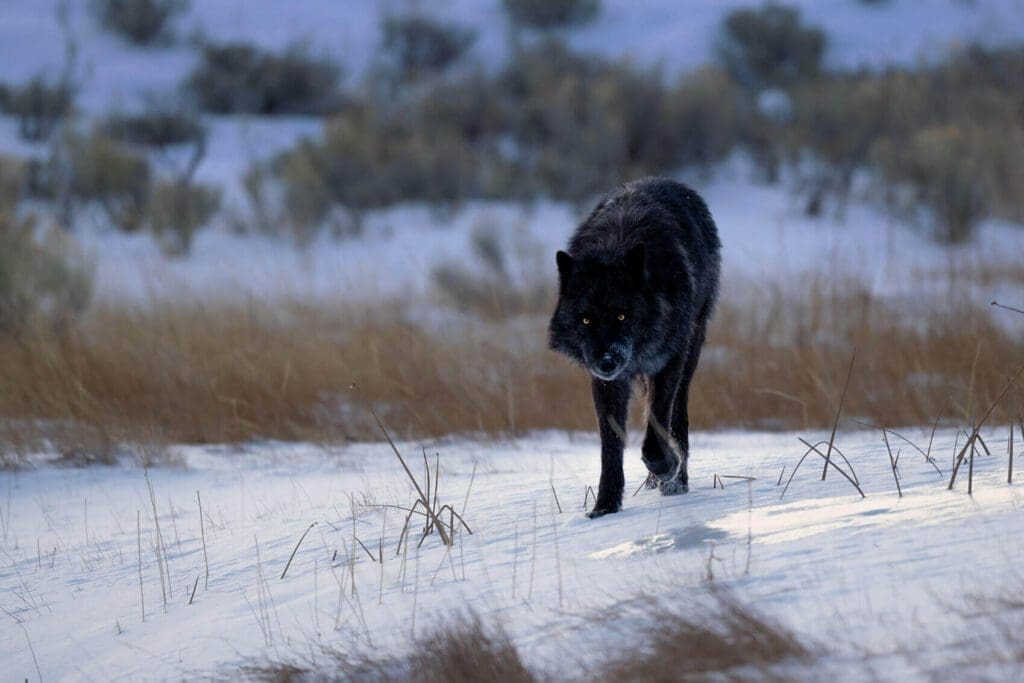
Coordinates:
(227,373)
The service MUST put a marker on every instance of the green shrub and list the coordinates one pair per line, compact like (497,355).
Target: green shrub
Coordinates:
(109,173)
(42,279)
(155,127)
(492,292)
(944,137)
(469,105)
(707,112)
(551,14)
(841,118)
(177,210)
(239,78)
(769,46)
(583,124)
(141,22)
(418,45)
(945,169)
(370,158)
(39,106)
(13,179)
(551,123)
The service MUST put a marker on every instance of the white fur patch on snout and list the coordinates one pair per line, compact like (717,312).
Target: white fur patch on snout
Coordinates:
(622,352)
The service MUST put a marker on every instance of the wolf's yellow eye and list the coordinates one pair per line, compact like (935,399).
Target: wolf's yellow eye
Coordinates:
(586,321)
(622,316)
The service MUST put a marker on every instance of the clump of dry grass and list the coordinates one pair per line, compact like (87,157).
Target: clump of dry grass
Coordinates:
(230,372)
(469,651)
(462,651)
(725,638)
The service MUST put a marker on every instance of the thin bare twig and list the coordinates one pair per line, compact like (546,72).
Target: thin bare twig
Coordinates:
(363,546)
(974,434)
(1009,451)
(472,477)
(296,549)
(839,411)
(931,438)
(138,538)
(426,501)
(927,456)
(202,530)
(892,463)
(32,650)
(814,449)
(1009,308)
(642,484)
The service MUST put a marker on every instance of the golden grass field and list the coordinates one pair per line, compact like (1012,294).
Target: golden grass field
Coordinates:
(776,358)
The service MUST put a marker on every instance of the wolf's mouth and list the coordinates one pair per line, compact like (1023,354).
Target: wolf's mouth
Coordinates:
(609,366)
(606,377)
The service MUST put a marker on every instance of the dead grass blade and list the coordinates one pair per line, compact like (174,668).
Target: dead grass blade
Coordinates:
(296,549)
(927,454)
(423,497)
(839,411)
(1008,308)
(892,463)
(974,434)
(814,449)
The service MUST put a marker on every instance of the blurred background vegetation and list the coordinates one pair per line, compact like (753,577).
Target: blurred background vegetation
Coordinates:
(938,145)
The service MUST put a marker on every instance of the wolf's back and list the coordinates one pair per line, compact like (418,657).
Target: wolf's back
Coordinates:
(675,225)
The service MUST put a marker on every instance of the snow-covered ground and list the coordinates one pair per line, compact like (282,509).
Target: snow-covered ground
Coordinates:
(767,238)
(882,573)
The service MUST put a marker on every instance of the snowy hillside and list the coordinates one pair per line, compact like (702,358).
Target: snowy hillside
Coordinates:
(679,35)
(407,243)
(881,582)
(766,237)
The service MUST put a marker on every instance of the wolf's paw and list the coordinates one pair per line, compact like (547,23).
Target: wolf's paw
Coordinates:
(651,482)
(602,510)
(672,487)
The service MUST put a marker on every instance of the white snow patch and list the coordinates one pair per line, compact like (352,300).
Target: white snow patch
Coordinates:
(69,566)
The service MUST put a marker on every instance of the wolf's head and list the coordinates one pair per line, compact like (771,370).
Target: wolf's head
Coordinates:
(603,308)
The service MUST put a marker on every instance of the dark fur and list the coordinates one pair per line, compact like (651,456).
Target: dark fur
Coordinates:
(649,251)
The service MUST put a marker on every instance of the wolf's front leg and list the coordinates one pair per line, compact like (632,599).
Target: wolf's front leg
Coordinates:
(661,453)
(611,401)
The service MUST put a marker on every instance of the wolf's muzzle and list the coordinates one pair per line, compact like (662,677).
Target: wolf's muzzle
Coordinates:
(608,366)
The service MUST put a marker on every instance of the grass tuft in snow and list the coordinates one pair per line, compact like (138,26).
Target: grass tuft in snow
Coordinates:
(718,637)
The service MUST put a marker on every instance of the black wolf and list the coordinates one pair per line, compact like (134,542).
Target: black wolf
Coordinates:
(637,286)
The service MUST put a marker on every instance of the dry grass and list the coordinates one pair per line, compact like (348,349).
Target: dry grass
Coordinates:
(727,640)
(987,644)
(228,373)
(471,651)
(462,651)
(714,636)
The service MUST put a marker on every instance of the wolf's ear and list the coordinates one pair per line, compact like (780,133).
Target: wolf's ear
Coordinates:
(565,266)
(636,263)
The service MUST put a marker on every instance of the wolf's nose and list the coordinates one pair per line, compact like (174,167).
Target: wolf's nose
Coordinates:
(607,364)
